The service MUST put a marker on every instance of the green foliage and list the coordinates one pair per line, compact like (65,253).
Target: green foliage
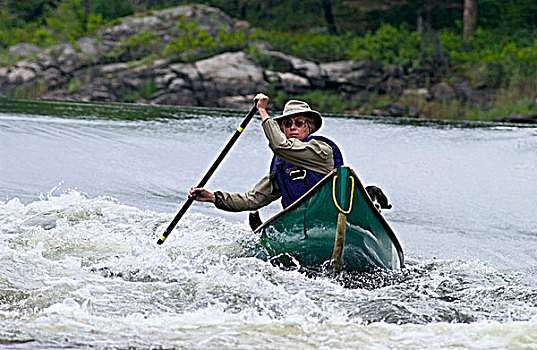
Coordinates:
(57,25)
(145,91)
(74,85)
(325,102)
(5,59)
(111,9)
(237,38)
(36,89)
(502,108)
(288,15)
(26,11)
(142,40)
(140,45)
(322,47)
(32,33)
(95,21)
(388,45)
(193,39)
(509,16)
(278,97)
(66,22)
(491,57)
(438,14)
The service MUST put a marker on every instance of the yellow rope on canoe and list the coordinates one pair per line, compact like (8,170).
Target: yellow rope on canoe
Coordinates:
(345,212)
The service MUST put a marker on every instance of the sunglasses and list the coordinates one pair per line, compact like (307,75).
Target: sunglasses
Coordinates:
(299,123)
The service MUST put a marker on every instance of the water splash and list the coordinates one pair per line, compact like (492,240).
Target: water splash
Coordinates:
(81,270)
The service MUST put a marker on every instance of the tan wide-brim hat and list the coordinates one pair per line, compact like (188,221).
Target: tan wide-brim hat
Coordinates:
(296,107)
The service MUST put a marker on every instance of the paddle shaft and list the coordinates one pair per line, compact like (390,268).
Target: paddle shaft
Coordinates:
(336,264)
(209,173)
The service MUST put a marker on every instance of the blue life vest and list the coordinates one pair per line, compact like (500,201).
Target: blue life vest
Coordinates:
(295,181)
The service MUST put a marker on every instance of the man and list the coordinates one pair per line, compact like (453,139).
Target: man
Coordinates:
(300,159)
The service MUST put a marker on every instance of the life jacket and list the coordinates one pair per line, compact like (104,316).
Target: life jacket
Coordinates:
(295,181)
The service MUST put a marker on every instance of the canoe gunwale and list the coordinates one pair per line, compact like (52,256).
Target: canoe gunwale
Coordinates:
(358,186)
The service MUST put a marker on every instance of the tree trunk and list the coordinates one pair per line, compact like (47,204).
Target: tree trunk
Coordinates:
(85,16)
(420,20)
(268,8)
(329,16)
(11,5)
(469,18)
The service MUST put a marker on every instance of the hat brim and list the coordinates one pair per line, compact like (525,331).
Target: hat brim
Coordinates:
(314,114)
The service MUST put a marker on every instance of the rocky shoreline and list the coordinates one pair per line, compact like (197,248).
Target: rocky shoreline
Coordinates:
(85,71)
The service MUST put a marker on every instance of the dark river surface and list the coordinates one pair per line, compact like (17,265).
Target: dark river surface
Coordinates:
(86,189)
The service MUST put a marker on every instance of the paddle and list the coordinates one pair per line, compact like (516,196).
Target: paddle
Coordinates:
(209,173)
(336,263)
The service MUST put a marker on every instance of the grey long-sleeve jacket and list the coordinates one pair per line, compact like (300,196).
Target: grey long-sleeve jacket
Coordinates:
(313,155)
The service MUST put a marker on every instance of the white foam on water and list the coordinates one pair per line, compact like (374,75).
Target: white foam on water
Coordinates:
(79,271)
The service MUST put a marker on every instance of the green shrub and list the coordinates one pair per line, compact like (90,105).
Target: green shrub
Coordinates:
(66,21)
(74,85)
(192,39)
(491,57)
(32,33)
(502,107)
(147,89)
(321,47)
(325,102)
(95,21)
(278,97)
(388,45)
(186,45)
(236,38)
(37,88)
(140,45)
(112,9)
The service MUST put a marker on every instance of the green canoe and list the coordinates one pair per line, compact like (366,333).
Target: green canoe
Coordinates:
(307,232)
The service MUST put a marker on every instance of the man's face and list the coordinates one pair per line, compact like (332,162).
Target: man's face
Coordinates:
(296,127)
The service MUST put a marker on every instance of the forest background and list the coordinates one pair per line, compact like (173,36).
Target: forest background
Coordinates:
(492,44)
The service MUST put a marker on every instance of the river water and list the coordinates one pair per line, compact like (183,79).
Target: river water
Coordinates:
(86,190)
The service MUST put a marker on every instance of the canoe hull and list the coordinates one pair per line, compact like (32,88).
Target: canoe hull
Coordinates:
(305,231)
